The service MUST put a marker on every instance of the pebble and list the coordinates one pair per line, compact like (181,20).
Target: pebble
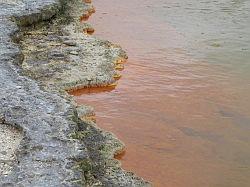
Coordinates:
(70,43)
(73,53)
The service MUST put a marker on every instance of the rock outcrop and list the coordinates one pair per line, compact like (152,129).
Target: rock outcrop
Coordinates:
(43,52)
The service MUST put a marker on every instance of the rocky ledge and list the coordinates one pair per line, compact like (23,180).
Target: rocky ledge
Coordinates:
(45,50)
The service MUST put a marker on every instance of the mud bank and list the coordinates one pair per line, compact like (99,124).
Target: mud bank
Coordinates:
(43,52)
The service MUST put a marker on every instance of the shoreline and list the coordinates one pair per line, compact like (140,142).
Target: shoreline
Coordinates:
(57,146)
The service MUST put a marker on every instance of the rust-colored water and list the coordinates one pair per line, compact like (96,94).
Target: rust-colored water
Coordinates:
(185,121)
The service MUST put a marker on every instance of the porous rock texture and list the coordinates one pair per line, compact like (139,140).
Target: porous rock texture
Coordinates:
(43,52)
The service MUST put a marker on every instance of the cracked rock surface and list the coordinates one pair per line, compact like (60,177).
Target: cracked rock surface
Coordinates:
(38,120)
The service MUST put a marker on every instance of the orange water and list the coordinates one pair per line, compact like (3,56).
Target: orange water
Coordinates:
(185,121)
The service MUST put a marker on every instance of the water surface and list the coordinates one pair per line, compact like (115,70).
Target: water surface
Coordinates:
(182,106)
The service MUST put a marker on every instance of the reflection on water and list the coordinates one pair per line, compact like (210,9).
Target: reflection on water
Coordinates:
(182,106)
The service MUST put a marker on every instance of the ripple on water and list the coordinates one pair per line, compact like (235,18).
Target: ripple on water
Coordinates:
(182,104)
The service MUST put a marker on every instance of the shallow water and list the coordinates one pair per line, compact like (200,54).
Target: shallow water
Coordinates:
(182,106)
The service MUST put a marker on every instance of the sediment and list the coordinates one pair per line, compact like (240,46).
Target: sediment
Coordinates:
(45,51)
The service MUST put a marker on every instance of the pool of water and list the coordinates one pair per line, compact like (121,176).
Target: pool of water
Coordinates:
(182,106)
